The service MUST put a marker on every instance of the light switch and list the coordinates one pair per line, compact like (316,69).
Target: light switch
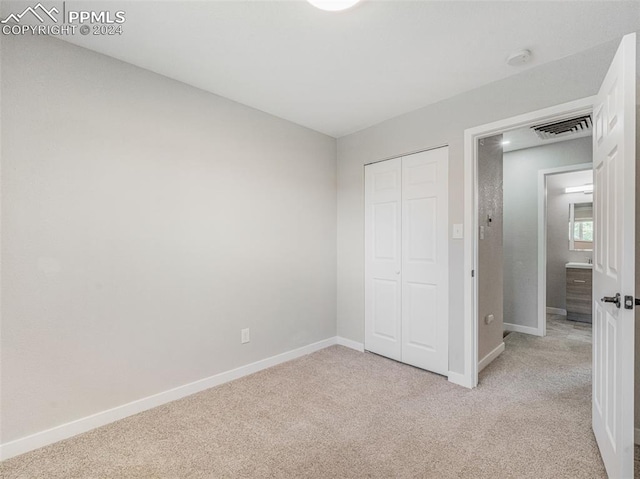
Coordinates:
(457,231)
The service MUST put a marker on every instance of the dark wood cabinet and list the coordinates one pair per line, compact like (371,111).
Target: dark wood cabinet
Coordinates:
(579,294)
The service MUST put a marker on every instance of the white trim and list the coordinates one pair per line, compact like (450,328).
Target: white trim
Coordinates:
(471,136)
(348,343)
(470,264)
(459,379)
(64,431)
(484,362)
(636,436)
(561,312)
(408,153)
(517,328)
(542,238)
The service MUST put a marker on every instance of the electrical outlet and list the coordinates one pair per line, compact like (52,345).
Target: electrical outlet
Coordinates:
(244,336)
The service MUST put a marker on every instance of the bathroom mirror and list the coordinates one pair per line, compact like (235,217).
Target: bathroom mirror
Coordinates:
(581,226)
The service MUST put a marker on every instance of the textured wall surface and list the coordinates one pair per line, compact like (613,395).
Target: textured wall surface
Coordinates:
(144,223)
(490,248)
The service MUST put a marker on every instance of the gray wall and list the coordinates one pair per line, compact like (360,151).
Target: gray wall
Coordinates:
(521,222)
(490,248)
(144,223)
(558,253)
(568,79)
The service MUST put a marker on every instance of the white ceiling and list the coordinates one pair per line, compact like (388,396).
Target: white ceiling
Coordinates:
(340,72)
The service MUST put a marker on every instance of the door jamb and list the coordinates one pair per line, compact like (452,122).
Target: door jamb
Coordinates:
(471,137)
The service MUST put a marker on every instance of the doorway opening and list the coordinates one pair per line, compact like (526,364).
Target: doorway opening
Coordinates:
(535,233)
(565,247)
(486,221)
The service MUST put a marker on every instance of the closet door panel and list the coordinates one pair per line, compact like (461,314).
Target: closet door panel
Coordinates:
(383,299)
(425,260)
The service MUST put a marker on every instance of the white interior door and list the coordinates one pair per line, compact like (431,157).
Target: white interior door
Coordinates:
(383,306)
(425,297)
(614,265)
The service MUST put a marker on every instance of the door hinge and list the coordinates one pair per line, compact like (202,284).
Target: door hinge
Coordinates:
(473,273)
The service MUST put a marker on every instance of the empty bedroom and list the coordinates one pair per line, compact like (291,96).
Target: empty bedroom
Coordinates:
(242,239)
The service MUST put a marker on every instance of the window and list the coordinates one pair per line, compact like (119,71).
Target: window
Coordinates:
(583,230)
(581,226)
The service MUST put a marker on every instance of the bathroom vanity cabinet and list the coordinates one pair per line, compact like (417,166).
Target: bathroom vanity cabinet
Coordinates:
(579,294)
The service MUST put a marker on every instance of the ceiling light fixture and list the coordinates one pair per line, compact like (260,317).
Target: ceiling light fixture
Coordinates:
(579,189)
(333,5)
(505,142)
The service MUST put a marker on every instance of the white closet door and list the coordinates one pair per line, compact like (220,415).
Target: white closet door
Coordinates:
(425,297)
(382,258)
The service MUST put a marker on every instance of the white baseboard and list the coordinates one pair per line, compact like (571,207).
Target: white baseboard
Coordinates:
(636,435)
(562,312)
(516,328)
(65,431)
(348,343)
(484,362)
(460,379)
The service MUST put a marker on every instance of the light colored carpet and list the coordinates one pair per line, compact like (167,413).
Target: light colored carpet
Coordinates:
(560,327)
(340,413)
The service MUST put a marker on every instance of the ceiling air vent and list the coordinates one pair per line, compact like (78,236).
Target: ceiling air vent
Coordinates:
(548,131)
